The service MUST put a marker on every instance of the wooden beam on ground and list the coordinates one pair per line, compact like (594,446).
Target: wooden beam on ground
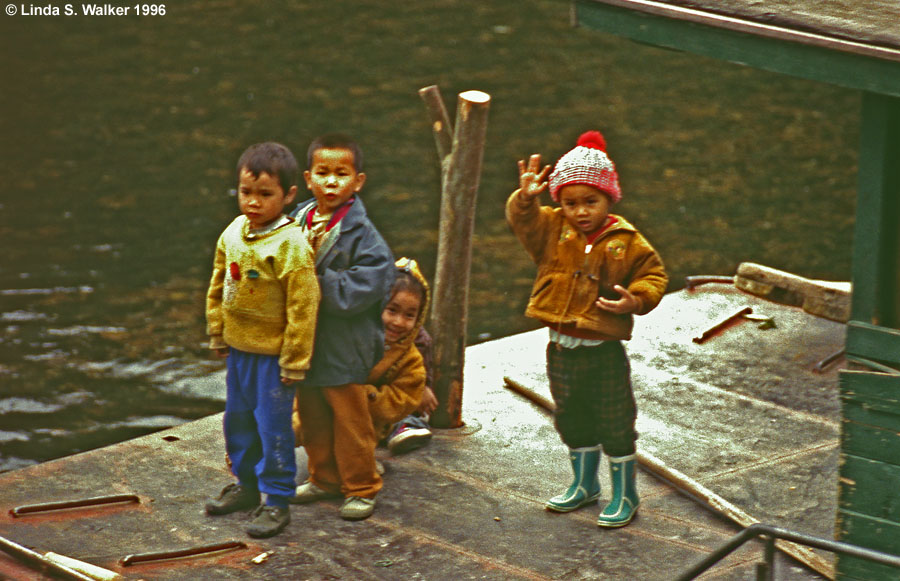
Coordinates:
(827,299)
(39,562)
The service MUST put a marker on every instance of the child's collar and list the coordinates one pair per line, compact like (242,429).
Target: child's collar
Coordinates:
(336,216)
(610,221)
(275,225)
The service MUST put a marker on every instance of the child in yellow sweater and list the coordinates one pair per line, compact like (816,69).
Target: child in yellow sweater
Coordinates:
(261,312)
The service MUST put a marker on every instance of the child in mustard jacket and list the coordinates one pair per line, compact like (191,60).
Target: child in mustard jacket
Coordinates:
(397,383)
(595,271)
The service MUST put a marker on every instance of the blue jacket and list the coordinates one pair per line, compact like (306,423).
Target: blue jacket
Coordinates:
(355,268)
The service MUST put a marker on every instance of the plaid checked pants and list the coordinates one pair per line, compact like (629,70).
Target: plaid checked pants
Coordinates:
(591,387)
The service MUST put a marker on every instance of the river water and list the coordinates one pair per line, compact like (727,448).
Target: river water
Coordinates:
(119,135)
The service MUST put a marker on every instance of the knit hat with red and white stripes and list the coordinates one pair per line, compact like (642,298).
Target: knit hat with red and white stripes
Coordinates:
(587,164)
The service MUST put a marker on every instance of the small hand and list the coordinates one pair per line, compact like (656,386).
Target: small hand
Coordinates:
(532,179)
(429,402)
(287,380)
(222,352)
(627,303)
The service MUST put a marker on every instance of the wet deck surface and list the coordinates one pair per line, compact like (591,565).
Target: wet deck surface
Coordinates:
(743,413)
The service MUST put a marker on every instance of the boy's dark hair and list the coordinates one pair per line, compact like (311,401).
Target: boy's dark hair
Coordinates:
(271,158)
(336,141)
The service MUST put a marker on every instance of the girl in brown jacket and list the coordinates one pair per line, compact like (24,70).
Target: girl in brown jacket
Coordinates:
(397,383)
(595,271)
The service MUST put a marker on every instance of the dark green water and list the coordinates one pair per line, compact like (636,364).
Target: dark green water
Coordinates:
(119,135)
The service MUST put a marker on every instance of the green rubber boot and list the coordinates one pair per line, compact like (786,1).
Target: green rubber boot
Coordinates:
(585,487)
(623,505)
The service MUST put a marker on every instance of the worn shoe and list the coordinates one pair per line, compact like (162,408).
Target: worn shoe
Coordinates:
(233,498)
(405,439)
(268,521)
(357,508)
(309,492)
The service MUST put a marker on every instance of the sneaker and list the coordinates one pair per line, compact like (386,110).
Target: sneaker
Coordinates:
(268,521)
(357,508)
(406,439)
(309,492)
(233,498)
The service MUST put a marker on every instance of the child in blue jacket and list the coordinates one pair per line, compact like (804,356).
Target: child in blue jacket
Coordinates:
(356,270)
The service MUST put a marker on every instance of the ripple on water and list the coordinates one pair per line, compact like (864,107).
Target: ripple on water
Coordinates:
(24,405)
(22,316)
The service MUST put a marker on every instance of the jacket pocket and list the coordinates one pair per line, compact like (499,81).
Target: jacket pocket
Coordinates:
(541,288)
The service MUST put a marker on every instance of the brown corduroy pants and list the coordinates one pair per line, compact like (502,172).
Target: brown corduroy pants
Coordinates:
(339,438)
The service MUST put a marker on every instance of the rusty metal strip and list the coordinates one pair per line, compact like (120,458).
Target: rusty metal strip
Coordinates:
(721,326)
(182,553)
(69,504)
(822,365)
(692,282)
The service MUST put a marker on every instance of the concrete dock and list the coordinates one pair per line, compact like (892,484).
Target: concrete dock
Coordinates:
(745,413)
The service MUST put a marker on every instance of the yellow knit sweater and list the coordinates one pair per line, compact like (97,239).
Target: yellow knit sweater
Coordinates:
(264,296)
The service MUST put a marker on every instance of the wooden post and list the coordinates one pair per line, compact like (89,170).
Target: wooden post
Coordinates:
(440,125)
(461,172)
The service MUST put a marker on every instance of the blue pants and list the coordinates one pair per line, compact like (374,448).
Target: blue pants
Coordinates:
(258,435)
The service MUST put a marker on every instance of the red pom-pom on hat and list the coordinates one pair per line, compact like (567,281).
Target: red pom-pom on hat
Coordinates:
(593,140)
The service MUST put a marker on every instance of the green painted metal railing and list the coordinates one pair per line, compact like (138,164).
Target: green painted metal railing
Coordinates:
(766,570)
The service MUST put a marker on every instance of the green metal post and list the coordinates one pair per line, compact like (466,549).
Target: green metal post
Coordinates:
(868,514)
(876,258)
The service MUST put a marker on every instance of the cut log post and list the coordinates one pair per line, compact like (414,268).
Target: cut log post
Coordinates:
(440,125)
(695,490)
(451,282)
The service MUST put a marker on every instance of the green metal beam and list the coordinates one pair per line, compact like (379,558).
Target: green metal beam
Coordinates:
(781,55)
(876,249)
